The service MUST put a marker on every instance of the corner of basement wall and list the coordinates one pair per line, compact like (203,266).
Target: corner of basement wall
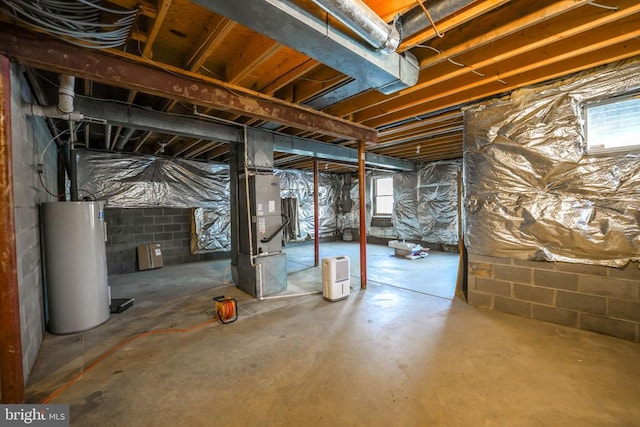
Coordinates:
(30,136)
(595,298)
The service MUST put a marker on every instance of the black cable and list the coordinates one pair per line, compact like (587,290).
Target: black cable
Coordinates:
(46,189)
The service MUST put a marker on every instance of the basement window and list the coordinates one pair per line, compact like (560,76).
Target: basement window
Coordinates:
(613,124)
(383,196)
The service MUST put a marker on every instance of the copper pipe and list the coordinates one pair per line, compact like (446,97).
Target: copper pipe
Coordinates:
(11,377)
(316,213)
(363,214)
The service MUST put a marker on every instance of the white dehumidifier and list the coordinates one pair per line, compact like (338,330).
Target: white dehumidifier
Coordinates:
(336,283)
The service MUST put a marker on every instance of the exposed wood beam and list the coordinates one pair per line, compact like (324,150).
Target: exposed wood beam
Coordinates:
(217,152)
(211,39)
(163,8)
(140,143)
(199,150)
(475,10)
(124,70)
(586,33)
(428,145)
(454,130)
(254,52)
(321,80)
(165,144)
(455,45)
(145,8)
(528,15)
(138,36)
(147,52)
(187,147)
(455,115)
(491,86)
(278,79)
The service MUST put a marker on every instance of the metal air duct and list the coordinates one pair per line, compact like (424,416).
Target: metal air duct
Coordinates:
(415,20)
(365,22)
(297,28)
(412,22)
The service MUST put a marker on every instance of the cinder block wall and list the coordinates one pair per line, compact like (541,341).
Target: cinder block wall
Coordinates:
(128,228)
(590,297)
(30,136)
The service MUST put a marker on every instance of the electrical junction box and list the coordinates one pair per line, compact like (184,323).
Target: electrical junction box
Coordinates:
(149,256)
(336,278)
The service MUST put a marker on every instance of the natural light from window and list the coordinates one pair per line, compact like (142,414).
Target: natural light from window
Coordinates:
(613,125)
(383,203)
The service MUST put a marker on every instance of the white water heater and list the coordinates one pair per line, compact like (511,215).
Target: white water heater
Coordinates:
(76,265)
(336,283)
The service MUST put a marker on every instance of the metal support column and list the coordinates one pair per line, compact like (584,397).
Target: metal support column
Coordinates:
(363,214)
(11,376)
(234,167)
(316,213)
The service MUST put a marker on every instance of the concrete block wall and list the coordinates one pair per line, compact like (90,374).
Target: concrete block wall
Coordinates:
(594,298)
(30,136)
(171,227)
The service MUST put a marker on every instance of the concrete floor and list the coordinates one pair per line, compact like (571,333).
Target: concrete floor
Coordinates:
(386,356)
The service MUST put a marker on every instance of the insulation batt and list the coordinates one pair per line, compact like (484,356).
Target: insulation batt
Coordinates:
(127,181)
(533,192)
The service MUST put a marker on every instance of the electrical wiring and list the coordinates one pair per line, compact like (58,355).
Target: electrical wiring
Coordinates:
(459,64)
(44,187)
(56,137)
(602,6)
(105,9)
(226,309)
(433,24)
(78,21)
(40,162)
(49,143)
(425,46)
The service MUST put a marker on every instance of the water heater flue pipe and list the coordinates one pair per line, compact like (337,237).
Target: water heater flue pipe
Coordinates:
(363,21)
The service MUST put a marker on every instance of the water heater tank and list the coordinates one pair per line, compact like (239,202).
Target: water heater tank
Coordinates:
(75,265)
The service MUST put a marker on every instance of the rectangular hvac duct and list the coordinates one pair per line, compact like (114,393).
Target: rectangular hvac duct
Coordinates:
(290,25)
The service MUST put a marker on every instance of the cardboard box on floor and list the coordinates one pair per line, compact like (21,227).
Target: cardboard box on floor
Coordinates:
(149,256)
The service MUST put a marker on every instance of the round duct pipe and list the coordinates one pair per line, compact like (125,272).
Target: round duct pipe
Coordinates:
(365,22)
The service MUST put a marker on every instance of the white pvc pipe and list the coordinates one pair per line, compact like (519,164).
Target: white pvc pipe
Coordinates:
(52,112)
(66,93)
(291,295)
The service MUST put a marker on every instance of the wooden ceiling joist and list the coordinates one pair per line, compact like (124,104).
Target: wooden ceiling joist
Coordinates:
(454,45)
(475,10)
(255,51)
(466,92)
(123,70)
(488,48)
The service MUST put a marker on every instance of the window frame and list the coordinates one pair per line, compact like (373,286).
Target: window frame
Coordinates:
(376,213)
(601,149)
